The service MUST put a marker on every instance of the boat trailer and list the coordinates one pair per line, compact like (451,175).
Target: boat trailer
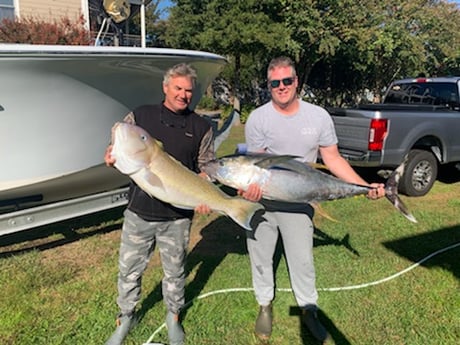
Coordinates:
(58,211)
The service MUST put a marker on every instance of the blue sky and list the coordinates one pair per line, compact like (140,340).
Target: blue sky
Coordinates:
(166,3)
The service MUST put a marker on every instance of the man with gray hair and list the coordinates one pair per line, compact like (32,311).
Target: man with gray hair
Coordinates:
(148,221)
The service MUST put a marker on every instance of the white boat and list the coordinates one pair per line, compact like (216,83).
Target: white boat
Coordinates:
(57,106)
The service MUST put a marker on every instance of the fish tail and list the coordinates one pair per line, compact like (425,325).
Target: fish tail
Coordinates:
(391,193)
(243,211)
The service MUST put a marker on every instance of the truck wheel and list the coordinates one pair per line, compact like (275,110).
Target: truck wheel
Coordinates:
(419,174)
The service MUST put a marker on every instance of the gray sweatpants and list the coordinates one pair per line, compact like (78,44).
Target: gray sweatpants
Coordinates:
(297,235)
(138,240)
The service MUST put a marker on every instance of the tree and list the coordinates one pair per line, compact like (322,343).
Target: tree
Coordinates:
(247,32)
(341,47)
(345,46)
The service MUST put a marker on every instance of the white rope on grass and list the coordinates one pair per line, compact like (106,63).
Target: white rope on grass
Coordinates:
(342,288)
(360,286)
(211,293)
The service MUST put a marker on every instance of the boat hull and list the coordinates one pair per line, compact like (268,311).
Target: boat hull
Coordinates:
(58,104)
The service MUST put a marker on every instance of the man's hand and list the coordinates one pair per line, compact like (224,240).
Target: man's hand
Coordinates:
(253,193)
(108,159)
(202,208)
(377,191)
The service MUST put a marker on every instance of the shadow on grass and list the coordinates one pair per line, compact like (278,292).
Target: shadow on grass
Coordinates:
(419,247)
(219,238)
(307,339)
(60,233)
(449,173)
(323,239)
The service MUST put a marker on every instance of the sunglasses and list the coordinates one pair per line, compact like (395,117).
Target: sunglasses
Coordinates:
(276,82)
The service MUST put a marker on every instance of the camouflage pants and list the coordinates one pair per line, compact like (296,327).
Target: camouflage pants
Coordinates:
(138,240)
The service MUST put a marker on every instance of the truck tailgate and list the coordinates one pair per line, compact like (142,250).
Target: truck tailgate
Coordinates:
(352,128)
(352,132)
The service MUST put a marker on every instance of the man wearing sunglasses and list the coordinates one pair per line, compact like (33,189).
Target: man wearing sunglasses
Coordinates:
(288,125)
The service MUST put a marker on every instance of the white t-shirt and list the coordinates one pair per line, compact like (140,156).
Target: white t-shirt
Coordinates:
(300,134)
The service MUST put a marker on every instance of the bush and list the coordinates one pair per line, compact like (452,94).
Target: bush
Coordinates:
(37,31)
(226,111)
(207,103)
(246,109)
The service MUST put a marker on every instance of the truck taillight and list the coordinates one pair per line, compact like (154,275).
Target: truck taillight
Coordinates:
(377,134)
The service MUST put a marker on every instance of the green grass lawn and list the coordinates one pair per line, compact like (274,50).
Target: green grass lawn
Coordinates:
(58,283)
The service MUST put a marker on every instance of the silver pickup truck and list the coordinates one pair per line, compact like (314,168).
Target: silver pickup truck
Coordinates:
(418,119)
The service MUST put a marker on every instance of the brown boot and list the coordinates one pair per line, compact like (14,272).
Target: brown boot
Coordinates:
(264,322)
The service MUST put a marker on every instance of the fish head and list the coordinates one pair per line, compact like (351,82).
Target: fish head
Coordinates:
(234,171)
(132,147)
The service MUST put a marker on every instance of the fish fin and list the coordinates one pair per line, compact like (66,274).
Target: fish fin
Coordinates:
(391,193)
(318,166)
(303,168)
(159,143)
(298,167)
(320,210)
(154,180)
(270,161)
(243,212)
(182,207)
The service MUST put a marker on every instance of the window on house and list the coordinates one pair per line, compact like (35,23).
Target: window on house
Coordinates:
(6,9)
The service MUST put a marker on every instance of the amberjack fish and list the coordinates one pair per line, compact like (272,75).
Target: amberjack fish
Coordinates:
(283,178)
(142,157)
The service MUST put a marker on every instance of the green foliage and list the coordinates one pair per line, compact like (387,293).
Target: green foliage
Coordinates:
(349,46)
(207,103)
(341,47)
(37,31)
(246,110)
(247,32)
(226,111)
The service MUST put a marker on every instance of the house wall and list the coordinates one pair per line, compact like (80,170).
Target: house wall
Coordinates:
(50,9)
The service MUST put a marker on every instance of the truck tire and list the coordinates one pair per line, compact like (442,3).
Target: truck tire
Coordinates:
(420,173)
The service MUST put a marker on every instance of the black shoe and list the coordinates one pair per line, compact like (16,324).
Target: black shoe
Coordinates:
(310,319)
(124,324)
(264,322)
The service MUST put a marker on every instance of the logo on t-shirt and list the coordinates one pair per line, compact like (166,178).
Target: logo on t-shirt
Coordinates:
(308,131)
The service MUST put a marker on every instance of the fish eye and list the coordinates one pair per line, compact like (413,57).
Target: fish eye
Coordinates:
(143,137)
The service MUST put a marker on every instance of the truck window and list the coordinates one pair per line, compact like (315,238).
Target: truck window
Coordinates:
(444,94)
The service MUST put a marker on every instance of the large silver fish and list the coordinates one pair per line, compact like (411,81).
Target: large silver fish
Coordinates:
(285,179)
(142,157)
